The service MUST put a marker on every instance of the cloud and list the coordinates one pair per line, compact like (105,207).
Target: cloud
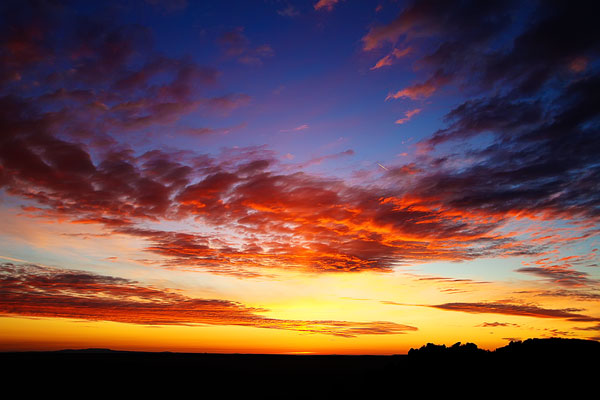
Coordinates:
(538,163)
(326,4)
(103,78)
(460,44)
(169,5)
(390,58)
(289,11)
(471,20)
(408,115)
(535,166)
(298,128)
(320,160)
(579,64)
(443,279)
(302,221)
(497,324)
(420,90)
(559,272)
(557,275)
(237,45)
(576,294)
(63,150)
(32,290)
(569,314)
(501,115)
(590,328)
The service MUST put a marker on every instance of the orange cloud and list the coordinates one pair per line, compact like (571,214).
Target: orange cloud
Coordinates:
(408,115)
(389,59)
(326,4)
(289,221)
(414,92)
(421,90)
(377,35)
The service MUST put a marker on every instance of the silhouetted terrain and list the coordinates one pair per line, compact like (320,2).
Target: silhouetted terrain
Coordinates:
(430,365)
(537,348)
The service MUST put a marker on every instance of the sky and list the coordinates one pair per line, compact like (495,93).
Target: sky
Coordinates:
(298,177)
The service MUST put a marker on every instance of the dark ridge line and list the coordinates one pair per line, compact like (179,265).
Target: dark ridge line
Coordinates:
(428,349)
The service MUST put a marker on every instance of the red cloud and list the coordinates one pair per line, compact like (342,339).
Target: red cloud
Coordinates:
(301,221)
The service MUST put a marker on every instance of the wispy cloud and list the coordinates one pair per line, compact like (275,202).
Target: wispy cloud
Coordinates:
(420,90)
(296,129)
(498,324)
(527,310)
(31,290)
(289,11)
(408,115)
(559,272)
(390,58)
(238,46)
(326,4)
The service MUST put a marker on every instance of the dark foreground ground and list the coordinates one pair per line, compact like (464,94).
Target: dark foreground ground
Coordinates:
(538,364)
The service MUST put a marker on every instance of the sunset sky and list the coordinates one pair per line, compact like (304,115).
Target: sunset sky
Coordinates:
(315,176)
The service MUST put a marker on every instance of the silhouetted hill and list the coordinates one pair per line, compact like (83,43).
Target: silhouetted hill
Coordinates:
(93,351)
(433,367)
